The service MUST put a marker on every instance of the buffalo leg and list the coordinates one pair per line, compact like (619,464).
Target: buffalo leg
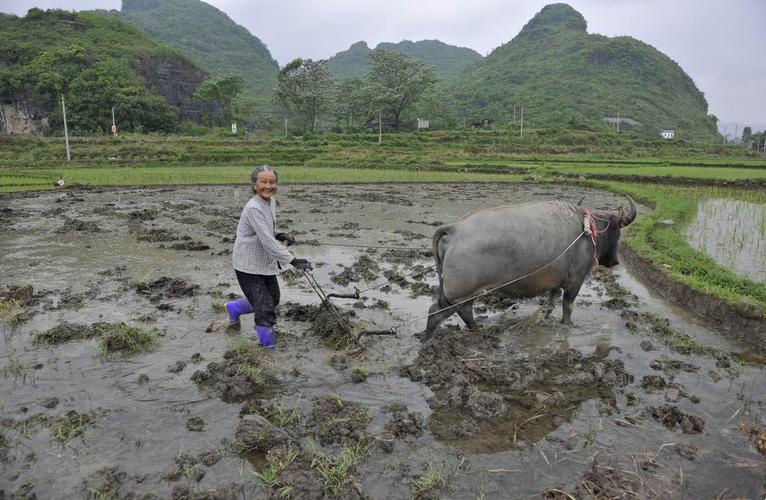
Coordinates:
(465,311)
(436,314)
(551,302)
(570,294)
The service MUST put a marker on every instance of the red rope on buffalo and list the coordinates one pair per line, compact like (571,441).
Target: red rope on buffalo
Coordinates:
(592,229)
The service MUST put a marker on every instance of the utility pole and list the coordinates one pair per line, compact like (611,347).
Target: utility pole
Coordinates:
(285,126)
(114,125)
(514,114)
(522,121)
(66,131)
(380,127)
(618,120)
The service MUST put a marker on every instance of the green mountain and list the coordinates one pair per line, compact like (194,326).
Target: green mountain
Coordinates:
(210,38)
(97,62)
(447,60)
(565,77)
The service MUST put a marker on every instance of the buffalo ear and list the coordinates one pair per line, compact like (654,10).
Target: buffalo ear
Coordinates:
(626,218)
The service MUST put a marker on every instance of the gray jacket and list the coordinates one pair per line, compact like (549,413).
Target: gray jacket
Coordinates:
(256,251)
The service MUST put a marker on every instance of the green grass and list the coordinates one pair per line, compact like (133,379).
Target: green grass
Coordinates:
(687,172)
(12,312)
(668,248)
(249,360)
(339,473)
(159,175)
(121,338)
(280,415)
(427,485)
(276,462)
(69,426)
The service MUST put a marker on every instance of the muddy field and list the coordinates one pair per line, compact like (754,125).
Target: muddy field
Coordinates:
(113,388)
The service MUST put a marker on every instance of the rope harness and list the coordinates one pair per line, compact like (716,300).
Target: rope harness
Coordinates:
(485,292)
(589,227)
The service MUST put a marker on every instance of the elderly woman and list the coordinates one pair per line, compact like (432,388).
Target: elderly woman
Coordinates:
(259,257)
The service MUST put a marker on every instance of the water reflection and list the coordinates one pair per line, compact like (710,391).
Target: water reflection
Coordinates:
(732,232)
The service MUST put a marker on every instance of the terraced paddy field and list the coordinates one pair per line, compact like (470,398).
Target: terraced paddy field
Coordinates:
(113,386)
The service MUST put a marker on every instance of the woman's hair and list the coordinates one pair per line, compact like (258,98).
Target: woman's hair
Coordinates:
(263,168)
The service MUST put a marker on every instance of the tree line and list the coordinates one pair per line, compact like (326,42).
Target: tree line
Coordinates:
(308,92)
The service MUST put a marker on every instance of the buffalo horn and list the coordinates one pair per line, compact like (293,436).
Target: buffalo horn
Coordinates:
(628,217)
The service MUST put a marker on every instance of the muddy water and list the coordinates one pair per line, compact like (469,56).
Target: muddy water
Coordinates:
(733,232)
(517,409)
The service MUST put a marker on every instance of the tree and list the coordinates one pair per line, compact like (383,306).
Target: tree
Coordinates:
(396,82)
(306,87)
(438,107)
(747,136)
(221,90)
(351,102)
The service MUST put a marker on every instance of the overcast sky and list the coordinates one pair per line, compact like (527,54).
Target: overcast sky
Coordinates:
(720,43)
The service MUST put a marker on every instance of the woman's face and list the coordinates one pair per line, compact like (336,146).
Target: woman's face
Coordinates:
(266,185)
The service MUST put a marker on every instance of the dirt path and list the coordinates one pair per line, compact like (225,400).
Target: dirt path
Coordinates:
(638,397)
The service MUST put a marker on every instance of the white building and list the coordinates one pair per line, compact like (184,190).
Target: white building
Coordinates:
(668,133)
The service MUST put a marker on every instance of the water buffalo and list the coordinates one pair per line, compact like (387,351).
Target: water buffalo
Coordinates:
(531,241)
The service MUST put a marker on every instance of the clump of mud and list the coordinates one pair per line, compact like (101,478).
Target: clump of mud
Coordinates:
(223,225)
(78,225)
(364,268)
(671,417)
(228,492)
(651,324)
(65,332)
(293,470)
(105,482)
(483,394)
(299,312)
(16,303)
(607,284)
(336,334)
(144,214)
(70,300)
(114,337)
(165,288)
(759,436)
(242,374)
(274,411)
(673,366)
(406,256)
(404,424)
(154,235)
(601,482)
(190,466)
(334,420)
(187,243)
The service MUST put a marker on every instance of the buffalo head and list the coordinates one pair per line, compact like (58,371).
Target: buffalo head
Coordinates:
(606,245)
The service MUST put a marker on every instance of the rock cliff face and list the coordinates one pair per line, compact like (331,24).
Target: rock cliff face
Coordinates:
(175,79)
(210,38)
(18,116)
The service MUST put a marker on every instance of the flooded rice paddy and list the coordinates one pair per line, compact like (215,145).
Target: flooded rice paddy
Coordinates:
(733,232)
(638,398)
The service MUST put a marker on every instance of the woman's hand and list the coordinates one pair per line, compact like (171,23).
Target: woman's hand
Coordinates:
(301,264)
(287,238)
